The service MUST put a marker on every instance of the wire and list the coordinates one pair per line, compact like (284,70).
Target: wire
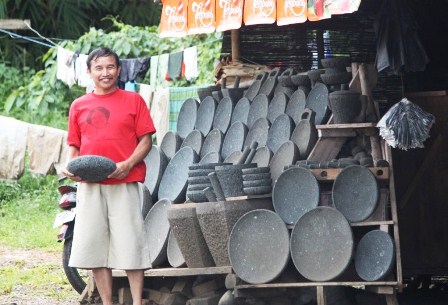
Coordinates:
(44,38)
(14,35)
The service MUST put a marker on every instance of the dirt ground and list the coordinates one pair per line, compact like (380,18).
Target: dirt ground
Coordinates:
(24,295)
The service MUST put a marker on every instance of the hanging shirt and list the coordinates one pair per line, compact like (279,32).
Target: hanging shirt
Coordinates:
(131,68)
(65,66)
(162,71)
(191,63)
(153,71)
(175,65)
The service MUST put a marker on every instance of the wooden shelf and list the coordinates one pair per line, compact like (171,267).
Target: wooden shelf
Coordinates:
(313,284)
(179,271)
(363,223)
(330,174)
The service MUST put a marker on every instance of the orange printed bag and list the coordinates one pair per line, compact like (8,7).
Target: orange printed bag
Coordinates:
(291,11)
(173,21)
(201,16)
(259,11)
(317,10)
(229,14)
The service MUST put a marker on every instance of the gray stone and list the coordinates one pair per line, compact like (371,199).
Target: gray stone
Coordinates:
(197,196)
(256,170)
(231,178)
(187,117)
(198,186)
(241,111)
(174,180)
(277,106)
(234,157)
(223,114)
(262,156)
(198,180)
(253,183)
(175,257)
(296,105)
(213,142)
(171,143)
(217,220)
(280,132)
(258,176)
(156,162)
(234,139)
(200,172)
(194,140)
(206,112)
(211,157)
(257,190)
(258,109)
(208,300)
(91,168)
(187,231)
(258,132)
(287,154)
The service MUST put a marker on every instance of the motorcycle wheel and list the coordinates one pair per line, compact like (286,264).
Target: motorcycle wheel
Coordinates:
(73,275)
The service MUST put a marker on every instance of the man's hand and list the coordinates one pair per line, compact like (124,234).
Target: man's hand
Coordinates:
(122,171)
(71,176)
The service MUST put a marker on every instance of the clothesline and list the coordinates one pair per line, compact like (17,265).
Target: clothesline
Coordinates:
(14,35)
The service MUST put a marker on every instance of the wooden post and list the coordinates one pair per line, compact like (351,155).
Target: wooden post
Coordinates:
(235,39)
(321,298)
(14,24)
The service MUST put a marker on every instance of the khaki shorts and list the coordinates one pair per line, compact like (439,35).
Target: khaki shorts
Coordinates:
(109,228)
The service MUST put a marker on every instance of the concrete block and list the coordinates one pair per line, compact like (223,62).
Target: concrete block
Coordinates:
(208,300)
(183,286)
(157,296)
(124,296)
(206,287)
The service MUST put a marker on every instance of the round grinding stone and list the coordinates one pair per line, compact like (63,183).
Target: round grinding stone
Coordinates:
(91,167)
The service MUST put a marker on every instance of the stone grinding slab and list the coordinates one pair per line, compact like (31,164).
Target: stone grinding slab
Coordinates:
(258,109)
(187,117)
(258,132)
(194,140)
(205,115)
(171,143)
(234,139)
(259,246)
(211,157)
(296,105)
(262,156)
(212,142)
(217,220)
(277,106)
(175,257)
(375,255)
(317,100)
(157,229)
(257,176)
(173,185)
(355,193)
(287,154)
(322,244)
(231,178)
(241,111)
(223,114)
(187,231)
(234,157)
(156,162)
(280,132)
(295,192)
(91,168)
(257,190)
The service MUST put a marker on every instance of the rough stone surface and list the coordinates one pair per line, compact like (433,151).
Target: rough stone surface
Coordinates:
(258,132)
(277,106)
(206,112)
(241,111)
(234,157)
(258,109)
(211,157)
(185,227)
(217,220)
(287,154)
(156,162)
(257,190)
(262,156)
(91,168)
(175,257)
(253,183)
(231,179)
(234,139)
(171,143)
(223,114)
(187,117)
(194,140)
(213,142)
(258,176)
(256,170)
(280,132)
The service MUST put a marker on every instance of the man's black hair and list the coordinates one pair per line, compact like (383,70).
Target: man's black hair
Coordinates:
(102,52)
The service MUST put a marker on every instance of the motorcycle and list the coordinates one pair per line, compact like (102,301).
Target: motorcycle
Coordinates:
(66,220)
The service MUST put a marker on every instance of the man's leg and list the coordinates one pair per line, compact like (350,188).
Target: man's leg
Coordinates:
(103,280)
(135,278)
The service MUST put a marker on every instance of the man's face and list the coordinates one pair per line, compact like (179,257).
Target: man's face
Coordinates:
(104,73)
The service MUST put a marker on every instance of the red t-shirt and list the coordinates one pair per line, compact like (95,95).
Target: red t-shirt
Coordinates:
(110,125)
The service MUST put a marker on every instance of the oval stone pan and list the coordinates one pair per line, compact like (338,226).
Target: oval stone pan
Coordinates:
(295,192)
(321,244)
(355,193)
(156,162)
(223,114)
(258,109)
(258,132)
(317,100)
(175,257)
(173,185)
(375,255)
(194,140)
(259,246)
(171,143)
(205,115)
(213,142)
(157,229)
(277,106)
(234,139)
(287,154)
(262,156)
(91,167)
(296,105)
(241,111)
(211,157)
(187,117)
(280,132)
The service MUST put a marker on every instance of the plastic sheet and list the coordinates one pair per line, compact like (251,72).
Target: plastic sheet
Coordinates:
(405,125)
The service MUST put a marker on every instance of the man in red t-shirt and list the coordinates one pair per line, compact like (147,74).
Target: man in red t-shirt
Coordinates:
(109,229)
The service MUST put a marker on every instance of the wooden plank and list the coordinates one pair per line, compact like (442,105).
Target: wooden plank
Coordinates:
(326,149)
(336,133)
(426,94)
(349,126)
(14,24)
(394,212)
(321,297)
(372,223)
(179,271)
(330,174)
(314,284)
(381,289)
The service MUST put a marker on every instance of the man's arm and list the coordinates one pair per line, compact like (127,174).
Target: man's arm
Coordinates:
(73,152)
(143,147)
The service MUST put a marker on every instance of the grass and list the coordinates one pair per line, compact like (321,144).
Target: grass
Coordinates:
(27,211)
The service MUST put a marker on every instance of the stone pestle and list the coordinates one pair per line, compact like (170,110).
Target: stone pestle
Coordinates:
(216,186)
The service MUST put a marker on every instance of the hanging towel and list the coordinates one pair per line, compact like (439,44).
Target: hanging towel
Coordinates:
(160,111)
(147,94)
(177,97)
(63,156)
(191,62)
(162,71)
(82,77)
(153,72)
(44,148)
(13,136)
(175,65)
(131,68)
(65,66)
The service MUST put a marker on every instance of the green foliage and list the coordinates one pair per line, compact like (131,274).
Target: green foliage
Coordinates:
(44,99)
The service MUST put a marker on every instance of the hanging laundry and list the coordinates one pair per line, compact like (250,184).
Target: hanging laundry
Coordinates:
(13,136)
(146,93)
(44,148)
(175,65)
(65,66)
(160,112)
(191,62)
(162,71)
(130,86)
(83,79)
(131,68)
(153,72)
(59,166)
